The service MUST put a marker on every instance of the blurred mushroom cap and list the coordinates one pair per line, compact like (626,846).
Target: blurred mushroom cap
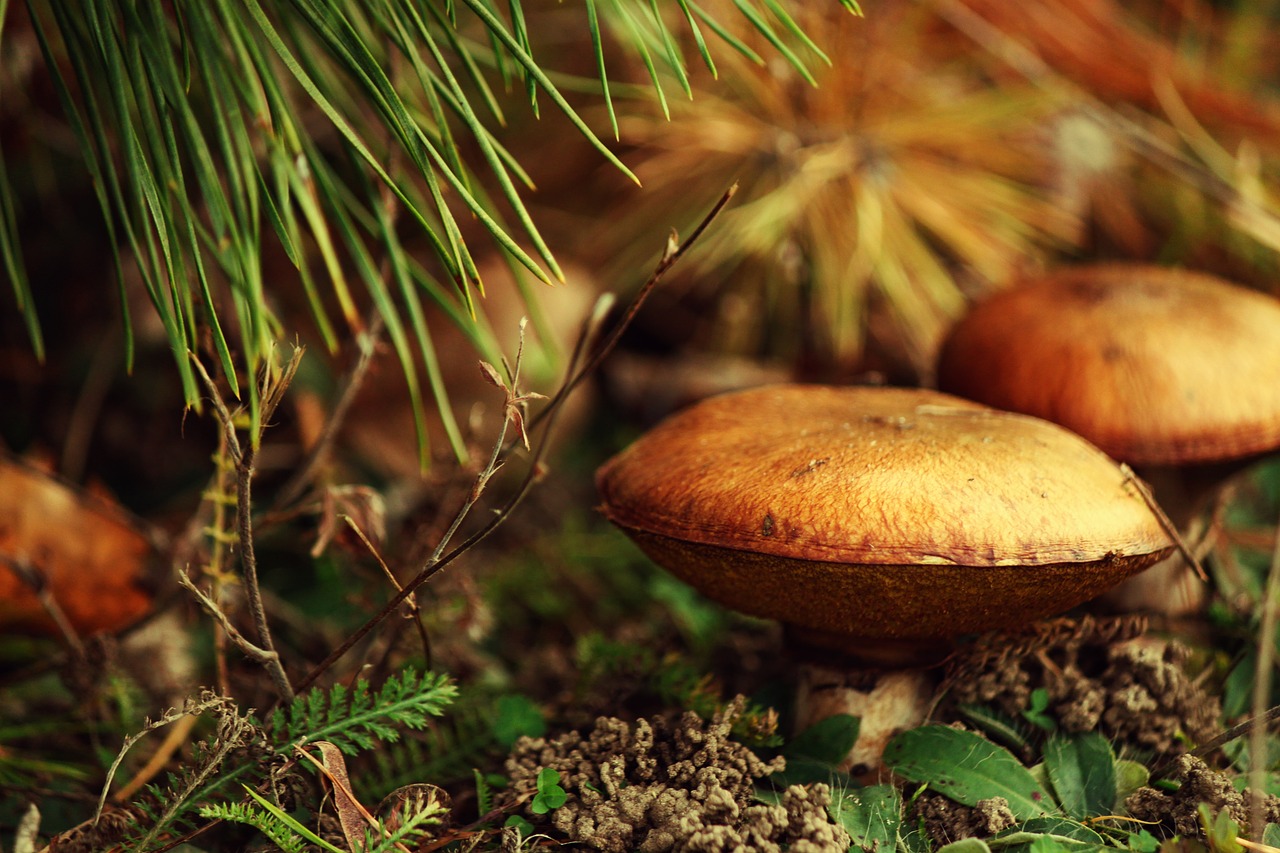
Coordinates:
(88,553)
(879,513)
(1153,365)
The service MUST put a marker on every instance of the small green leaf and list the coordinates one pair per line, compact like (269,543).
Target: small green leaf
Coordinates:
(1082,771)
(1144,842)
(1001,728)
(967,768)
(522,826)
(872,816)
(1035,713)
(827,741)
(1221,831)
(966,845)
(1130,776)
(550,795)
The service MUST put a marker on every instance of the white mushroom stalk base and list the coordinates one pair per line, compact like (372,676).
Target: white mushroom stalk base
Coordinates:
(885,701)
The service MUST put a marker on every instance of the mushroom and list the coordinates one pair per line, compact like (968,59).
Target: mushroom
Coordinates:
(1173,372)
(878,525)
(70,560)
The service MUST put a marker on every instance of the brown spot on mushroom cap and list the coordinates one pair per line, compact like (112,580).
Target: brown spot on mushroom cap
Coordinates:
(931,516)
(1153,365)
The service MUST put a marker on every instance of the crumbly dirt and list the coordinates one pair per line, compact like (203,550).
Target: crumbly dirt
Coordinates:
(944,820)
(1175,813)
(654,786)
(1100,675)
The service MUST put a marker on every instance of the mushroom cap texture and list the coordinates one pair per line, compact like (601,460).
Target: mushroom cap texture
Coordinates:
(877,512)
(1154,365)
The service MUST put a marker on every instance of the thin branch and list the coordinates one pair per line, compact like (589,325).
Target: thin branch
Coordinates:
(34,577)
(225,418)
(245,458)
(191,708)
(550,413)
(1168,526)
(266,657)
(367,342)
(1239,730)
(411,602)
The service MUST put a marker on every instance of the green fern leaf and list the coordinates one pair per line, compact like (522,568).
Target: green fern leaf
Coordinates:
(358,719)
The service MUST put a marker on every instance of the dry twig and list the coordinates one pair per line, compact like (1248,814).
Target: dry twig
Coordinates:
(579,368)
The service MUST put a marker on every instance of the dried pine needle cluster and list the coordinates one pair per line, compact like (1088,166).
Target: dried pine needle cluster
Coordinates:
(945,149)
(655,786)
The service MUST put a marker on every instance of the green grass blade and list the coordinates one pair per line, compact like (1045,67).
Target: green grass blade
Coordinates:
(318,98)
(698,38)
(426,348)
(638,41)
(674,60)
(521,33)
(757,20)
(597,45)
(11,249)
(426,80)
(726,36)
(495,26)
(495,163)
(466,57)
(795,29)
(377,289)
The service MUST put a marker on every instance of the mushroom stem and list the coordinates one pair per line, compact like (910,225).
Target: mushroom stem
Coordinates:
(884,701)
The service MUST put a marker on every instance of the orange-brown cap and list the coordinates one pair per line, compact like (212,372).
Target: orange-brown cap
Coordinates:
(1153,365)
(88,552)
(875,512)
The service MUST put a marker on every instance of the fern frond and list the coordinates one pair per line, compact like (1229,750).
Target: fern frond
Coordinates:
(411,821)
(447,752)
(212,776)
(276,831)
(360,719)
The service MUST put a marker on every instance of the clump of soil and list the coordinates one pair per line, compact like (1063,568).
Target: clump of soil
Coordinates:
(655,786)
(944,820)
(1175,813)
(1100,675)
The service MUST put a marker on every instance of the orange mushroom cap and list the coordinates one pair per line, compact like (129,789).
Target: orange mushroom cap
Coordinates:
(90,554)
(1153,365)
(879,513)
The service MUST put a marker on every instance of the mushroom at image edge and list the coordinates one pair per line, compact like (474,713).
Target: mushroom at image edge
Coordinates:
(1174,372)
(879,526)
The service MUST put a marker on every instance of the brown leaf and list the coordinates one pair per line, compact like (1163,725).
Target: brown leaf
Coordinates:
(492,376)
(352,816)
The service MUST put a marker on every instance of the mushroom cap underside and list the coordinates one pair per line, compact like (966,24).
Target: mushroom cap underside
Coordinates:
(841,606)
